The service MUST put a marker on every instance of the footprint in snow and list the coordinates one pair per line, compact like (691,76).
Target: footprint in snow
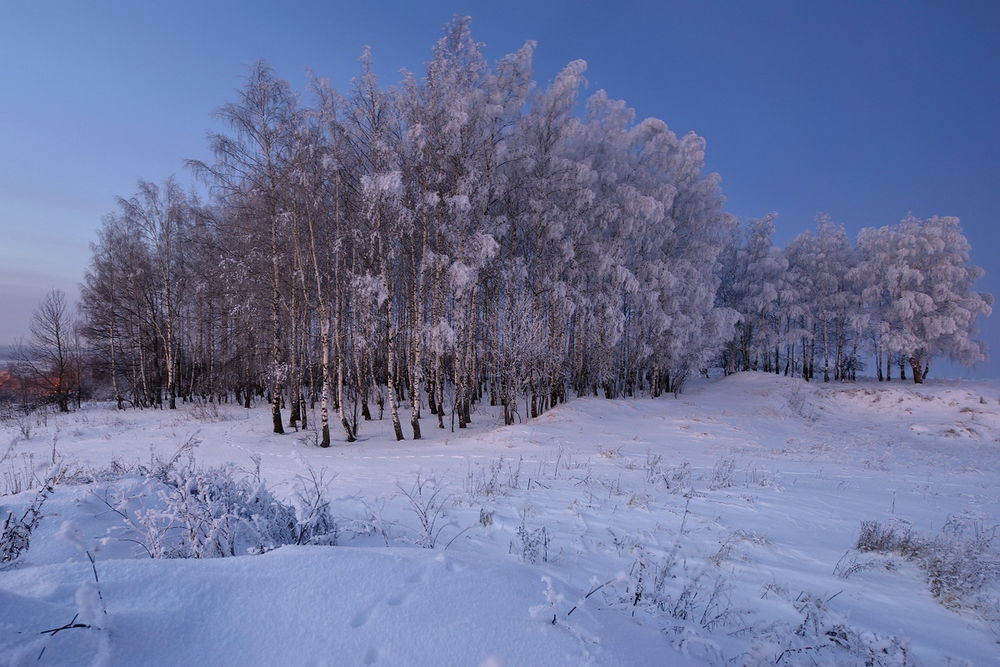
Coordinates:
(449,565)
(361,618)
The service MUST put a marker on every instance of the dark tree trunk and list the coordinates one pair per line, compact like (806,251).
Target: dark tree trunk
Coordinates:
(916,364)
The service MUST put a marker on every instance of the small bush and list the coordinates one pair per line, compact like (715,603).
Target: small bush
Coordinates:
(820,637)
(15,535)
(886,538)
(960,563)
(218,515)
(761,477)
(19,476)
(723,473)
(664,586)
(207,412)
(428,508)
(498,478)
(215,512)
(315,522)
(533,544)
(677,478)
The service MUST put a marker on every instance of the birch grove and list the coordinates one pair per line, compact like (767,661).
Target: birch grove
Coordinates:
(469,237)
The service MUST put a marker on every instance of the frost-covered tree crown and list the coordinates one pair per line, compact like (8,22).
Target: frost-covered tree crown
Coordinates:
(902,294)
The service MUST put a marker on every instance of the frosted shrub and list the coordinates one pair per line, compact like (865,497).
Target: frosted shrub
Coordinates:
(315,522)
(761,476)
(18,476)
(214,512)
(677,478)
(15,533)
(157,468)
(647,578)
(499,477)
(532,544)
(885,538)
(961,563)
(428,509)
(723,473)
(210,513)
(822,636)
(373,523)
(24,423)
(695,601)
(207,412)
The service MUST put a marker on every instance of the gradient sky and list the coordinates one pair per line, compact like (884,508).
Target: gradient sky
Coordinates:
(864,110)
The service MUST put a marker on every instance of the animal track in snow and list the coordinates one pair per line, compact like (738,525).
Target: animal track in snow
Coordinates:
(361,617)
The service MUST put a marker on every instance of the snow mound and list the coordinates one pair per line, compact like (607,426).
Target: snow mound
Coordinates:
(945,409)
(295,605)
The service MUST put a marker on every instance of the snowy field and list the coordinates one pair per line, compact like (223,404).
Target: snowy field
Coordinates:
(723,527)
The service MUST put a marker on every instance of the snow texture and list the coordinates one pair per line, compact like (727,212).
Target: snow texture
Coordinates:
(718,528)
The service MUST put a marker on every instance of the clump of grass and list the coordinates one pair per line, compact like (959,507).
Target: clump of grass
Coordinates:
(889,538)
(960,563)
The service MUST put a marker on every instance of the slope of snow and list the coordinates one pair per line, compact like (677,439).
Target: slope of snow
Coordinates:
(745,496)
(298,605)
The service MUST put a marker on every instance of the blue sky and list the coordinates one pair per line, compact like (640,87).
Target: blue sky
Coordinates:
(864,110)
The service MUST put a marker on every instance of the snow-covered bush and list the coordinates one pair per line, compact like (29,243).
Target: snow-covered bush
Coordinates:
(666,587)
(24,422)
(207,412)
(532,543)
(761,476)
(824,636)
(315,522)
(183,511)
(157,468)
(217,514)
(723,473)
(889,537)
(961,563)
(15,534)
(372,522)
(497,478)
(677,478)
(18,476)
(428,508)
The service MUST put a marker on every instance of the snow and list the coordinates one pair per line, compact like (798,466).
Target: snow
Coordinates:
(747,492)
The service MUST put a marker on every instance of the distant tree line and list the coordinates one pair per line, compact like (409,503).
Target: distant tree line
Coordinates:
(901,294)
(467,236)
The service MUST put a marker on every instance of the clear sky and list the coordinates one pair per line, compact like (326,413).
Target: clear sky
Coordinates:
(864,110)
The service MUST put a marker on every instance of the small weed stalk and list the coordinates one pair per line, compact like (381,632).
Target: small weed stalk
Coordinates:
(428,510)
(15,538)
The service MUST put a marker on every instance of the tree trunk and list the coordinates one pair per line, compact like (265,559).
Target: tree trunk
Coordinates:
(415,370)
(391,366)
(917,365)
(275,334)
(324,337)
(826,352)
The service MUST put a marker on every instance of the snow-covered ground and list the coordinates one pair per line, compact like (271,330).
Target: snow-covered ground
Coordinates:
(717,528)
